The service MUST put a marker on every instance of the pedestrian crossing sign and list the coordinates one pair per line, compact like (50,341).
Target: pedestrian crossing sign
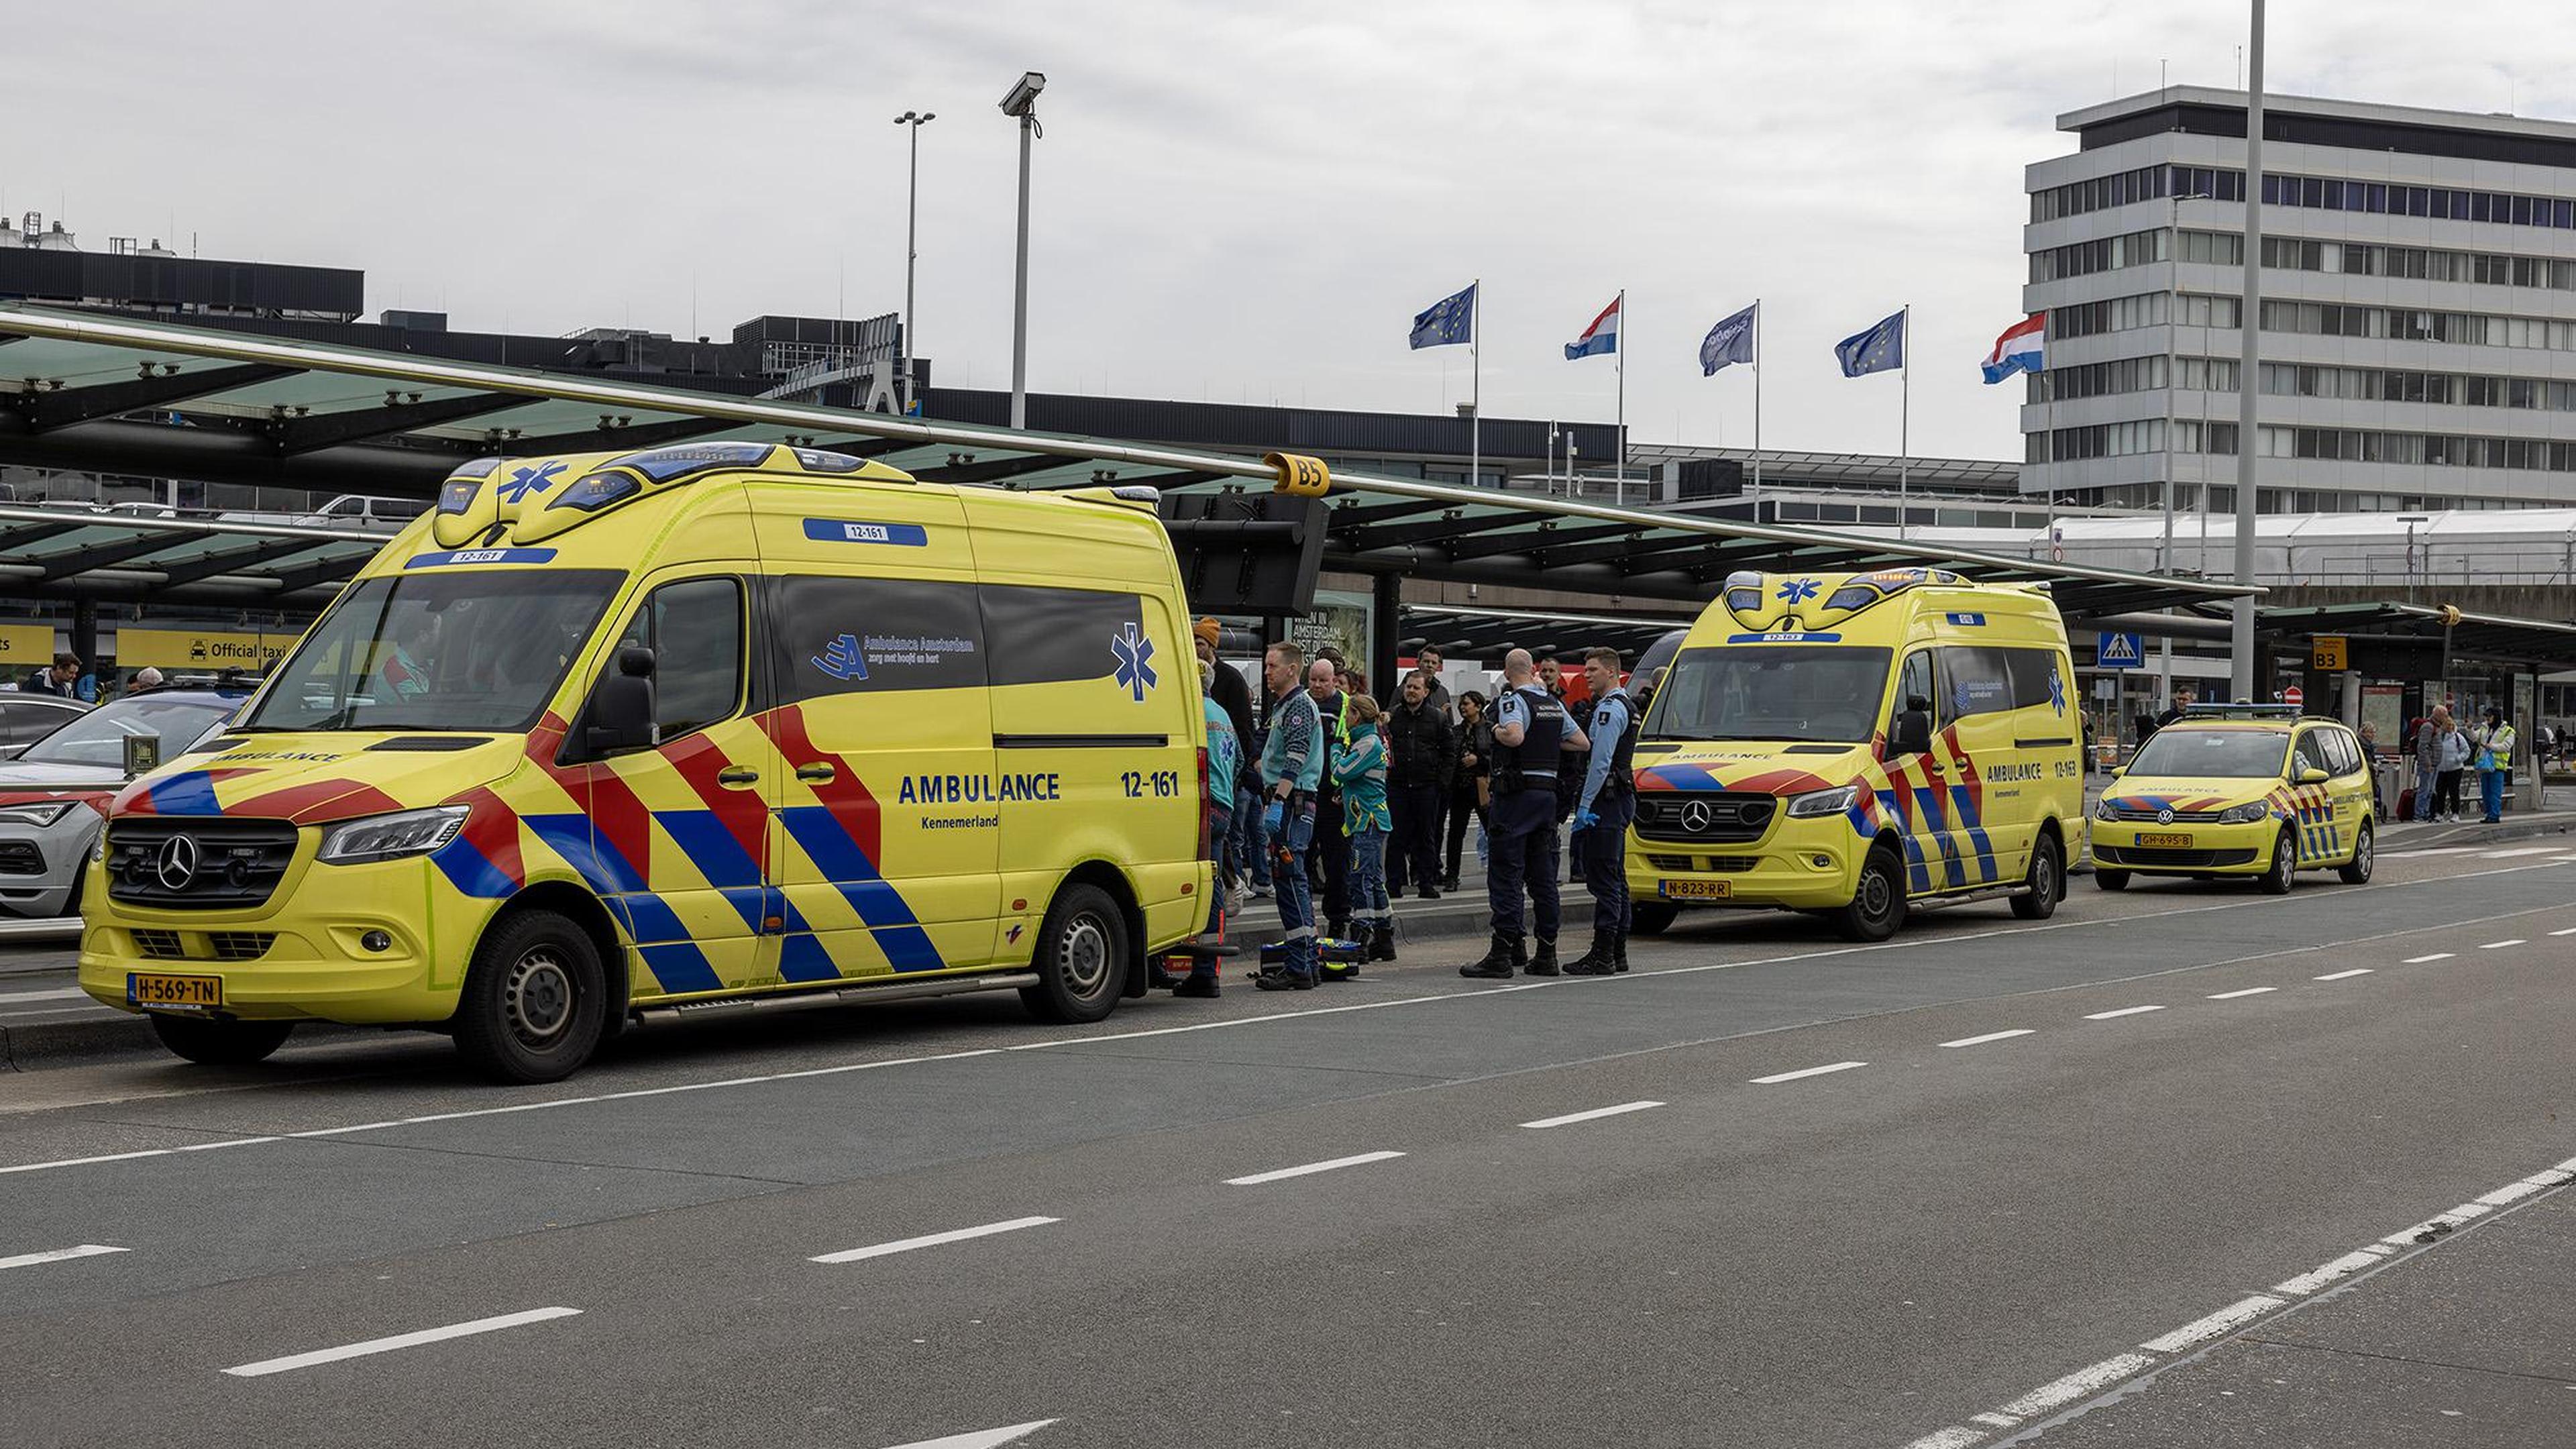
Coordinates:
(2119,651)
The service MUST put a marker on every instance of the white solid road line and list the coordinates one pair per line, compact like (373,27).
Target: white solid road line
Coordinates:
(2076,1385)
(57,1255)
(1806,1072)
(1277,1174)
(1990,1036)
(2500,945)
(2316,1278)
(2526,850)
(1570,1118)
(2248,991)
(1952,1438)
(2123,1011)
(2420,960)
(2233,1315)
(268,1366)
(982,1438)
(63,995)
(930,1240)
(2341,975)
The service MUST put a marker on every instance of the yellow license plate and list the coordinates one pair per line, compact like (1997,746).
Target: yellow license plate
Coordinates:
(152,989)
(1696,890)
(2175,840)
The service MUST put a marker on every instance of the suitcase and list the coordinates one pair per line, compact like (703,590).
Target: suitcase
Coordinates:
(2406,803)
(1335,960)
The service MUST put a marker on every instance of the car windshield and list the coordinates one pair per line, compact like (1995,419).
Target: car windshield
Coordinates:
(2227,754)
(1770,692)
(98,737)
(471,649)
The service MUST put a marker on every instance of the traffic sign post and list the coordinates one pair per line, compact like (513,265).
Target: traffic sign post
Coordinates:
(2294,696)
(2113,650)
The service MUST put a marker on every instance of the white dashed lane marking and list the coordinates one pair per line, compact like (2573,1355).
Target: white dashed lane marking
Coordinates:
(2570,931)
(1570,1118)
(59,1255)
(1968,1041)
(2420,960)
(2248,991)
(1279,1174)
(1805,1072)
(2500,945)
(2123,1011)
(2341,975)
(929,1240)
(268,1366)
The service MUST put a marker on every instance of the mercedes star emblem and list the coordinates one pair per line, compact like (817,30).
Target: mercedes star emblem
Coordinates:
(178,862)
(1695,815)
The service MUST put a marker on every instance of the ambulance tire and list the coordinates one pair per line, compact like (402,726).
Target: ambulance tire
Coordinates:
(2110,880)
(535,1002)
(1651,918)
(2365,853)
(2046,885)
(2283,872)
(1081,958)
(220,1043)
(1878,901)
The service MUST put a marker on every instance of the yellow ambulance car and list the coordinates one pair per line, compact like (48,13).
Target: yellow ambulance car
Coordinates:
(1850,744)
(710,725)
(2248,791)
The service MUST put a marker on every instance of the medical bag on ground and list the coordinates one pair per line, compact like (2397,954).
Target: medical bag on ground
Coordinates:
(1335,960)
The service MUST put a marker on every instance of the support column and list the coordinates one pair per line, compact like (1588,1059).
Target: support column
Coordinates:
(1386,627)
(84,632)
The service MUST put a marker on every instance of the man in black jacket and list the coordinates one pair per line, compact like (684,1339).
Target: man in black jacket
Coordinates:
(1420,754)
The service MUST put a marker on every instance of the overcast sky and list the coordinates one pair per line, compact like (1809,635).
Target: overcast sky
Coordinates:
(1242,202)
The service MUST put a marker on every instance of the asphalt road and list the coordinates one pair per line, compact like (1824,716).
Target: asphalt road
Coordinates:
(2165,1170)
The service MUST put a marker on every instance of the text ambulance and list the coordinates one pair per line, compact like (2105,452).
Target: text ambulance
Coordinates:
(1845,744)
(721,723)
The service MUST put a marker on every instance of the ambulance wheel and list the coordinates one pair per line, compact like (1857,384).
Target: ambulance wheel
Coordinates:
(2110,880)
(2284,870)
(1081,958)
(1651,918)
(2365,853)
(2047,883)
(535,1000)
(220,1043)
(1878,901)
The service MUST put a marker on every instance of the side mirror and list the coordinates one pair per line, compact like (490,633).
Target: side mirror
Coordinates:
(1913,733)
(2117,771)
(622,707)
(2313,776)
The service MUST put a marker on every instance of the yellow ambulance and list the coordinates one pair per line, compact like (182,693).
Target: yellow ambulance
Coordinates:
(1850,744)
(708,726)
(2242,790)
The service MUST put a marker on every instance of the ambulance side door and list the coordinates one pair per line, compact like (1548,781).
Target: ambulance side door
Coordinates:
(1989,819)
(1917,791)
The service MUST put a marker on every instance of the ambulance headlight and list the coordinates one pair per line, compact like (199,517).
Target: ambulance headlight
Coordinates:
(2104,809)
(2244,814)
(391,837)
(1816,803)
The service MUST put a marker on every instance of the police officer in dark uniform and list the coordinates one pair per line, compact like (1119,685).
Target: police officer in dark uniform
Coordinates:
(1530,734)
(1607,803)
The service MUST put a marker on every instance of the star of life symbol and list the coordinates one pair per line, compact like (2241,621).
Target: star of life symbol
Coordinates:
(844,660)
(1798,591)
(1135,661)
(527,480)
(2056,691)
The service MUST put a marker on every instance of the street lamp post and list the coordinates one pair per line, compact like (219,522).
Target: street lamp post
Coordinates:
(903,352)
(2173,330)
(2250,331)
(1022,103)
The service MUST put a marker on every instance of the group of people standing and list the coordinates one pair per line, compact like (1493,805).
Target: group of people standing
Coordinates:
(2444,752)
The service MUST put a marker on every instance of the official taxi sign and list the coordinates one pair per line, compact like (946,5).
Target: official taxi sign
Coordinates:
(1299,475)
(2330,653)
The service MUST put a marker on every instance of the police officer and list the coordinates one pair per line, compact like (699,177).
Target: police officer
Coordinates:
(1530,733)
(1607,804)
(1292,761)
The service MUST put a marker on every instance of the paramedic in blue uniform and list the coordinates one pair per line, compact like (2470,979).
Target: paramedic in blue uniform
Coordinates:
(1292,761)
(1606,805)
(1531,733)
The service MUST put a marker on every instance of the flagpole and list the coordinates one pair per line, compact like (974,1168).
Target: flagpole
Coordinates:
(1904,414)
(1476,385)
(1619,357)
(1757,410)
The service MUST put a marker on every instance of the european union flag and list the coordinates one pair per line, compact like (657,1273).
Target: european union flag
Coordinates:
(1876,350)
(1451,319)
(1728,341)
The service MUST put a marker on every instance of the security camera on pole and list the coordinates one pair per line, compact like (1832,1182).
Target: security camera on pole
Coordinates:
(1022,102)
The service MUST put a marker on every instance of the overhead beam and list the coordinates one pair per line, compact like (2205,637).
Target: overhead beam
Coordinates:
(993,470)
(329,430)
(618,440)
(107,555)
(233,561)
(1428,531)
(1542,538)
(46,411)
(225,455)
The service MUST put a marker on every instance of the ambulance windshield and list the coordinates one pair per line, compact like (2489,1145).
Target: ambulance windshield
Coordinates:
(1794,692)
(472,649)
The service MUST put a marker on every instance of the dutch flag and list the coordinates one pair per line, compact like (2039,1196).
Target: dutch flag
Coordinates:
(2018,350)
(1602,336)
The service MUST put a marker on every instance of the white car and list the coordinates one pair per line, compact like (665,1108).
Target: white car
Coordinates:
(53,797)
(26,718)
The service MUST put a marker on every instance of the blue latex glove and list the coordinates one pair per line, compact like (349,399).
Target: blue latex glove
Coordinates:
(1585,819)
(1274,817)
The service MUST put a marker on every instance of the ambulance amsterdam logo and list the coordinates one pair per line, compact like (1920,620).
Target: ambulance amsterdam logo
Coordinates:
(526,480)
(1798,591)
(177,864)
(844,660)
(1135,654)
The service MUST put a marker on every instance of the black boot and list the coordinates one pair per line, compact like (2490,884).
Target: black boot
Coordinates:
(1542,962)
(1201,982)
(1283,979)
(1619,952)
(1382,944)
(1498,963)
(1601,960)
